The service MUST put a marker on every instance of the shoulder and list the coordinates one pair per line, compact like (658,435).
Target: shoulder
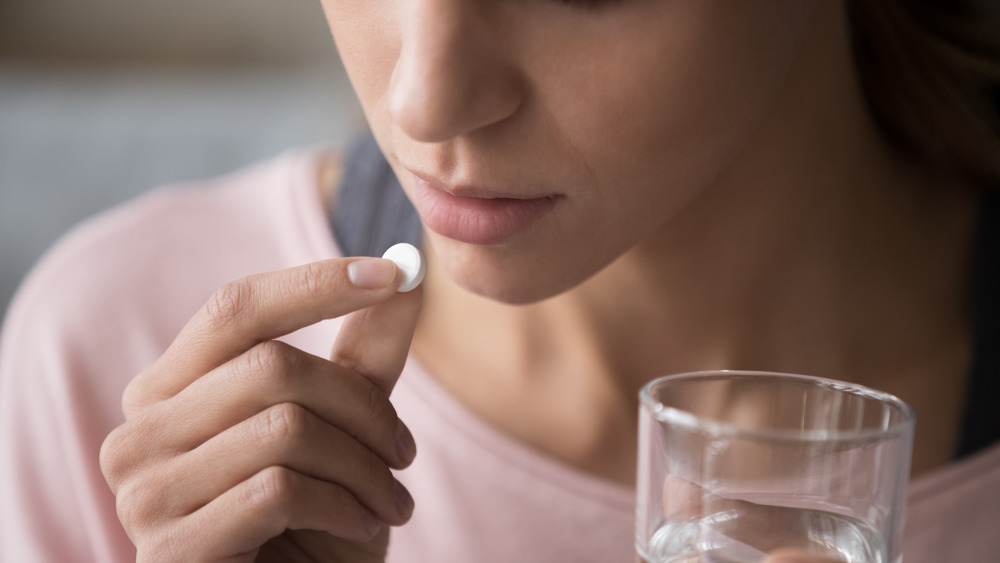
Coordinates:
(134,274)
(102,305)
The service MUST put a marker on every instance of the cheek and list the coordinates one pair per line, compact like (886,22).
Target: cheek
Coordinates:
(660,110)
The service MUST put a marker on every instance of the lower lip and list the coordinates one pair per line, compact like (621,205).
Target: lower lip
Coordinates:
(475,220)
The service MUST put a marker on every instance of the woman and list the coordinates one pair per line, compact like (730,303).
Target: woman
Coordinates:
(611,190)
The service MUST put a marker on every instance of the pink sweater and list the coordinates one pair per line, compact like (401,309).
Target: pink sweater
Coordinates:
(108,299)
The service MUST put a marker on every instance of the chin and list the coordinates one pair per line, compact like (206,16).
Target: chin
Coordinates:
(507,291)
(508,276)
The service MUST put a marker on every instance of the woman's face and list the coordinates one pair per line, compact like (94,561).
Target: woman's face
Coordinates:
(542,139)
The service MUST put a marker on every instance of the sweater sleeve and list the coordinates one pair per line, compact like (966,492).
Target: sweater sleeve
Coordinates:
(58,400)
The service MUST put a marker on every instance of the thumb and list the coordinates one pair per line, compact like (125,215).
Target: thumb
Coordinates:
(376,340)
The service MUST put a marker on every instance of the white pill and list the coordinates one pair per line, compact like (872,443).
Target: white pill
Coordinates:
(411,264)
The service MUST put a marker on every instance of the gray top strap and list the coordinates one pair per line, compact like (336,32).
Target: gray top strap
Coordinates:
(371,211)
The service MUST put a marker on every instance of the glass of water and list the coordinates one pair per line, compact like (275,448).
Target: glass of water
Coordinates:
(734,466)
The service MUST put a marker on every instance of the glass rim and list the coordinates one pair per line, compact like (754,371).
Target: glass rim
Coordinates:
(690,420)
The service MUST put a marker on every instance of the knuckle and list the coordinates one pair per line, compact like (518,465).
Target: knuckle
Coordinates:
(377,406)
(281,424)
(125,506)
(134,397)
(163,546)
(149,518)
(376,471)
(229,302)
(110,457)
(268,489)
(268,360)
(140,394)
(313,280)
(123,452)
(134,507)
(131,402)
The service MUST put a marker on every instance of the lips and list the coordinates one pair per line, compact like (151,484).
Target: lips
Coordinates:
(473,215)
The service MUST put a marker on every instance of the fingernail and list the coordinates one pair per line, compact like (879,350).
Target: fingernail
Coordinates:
(405,446)
(404,502)
(371,522)
(371,273)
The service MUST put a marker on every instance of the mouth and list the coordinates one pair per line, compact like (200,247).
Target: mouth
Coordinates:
(476,215)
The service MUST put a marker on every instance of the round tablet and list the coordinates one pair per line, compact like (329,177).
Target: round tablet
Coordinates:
(411,264)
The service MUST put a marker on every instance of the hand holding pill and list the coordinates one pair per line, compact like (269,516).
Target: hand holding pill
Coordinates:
(242,446)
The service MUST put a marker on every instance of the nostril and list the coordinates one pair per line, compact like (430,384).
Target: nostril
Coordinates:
(418,110)
(437,96)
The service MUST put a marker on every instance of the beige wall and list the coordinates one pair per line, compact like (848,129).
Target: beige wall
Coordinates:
(265,32)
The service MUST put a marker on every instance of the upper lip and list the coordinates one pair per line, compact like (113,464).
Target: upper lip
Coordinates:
(470,189)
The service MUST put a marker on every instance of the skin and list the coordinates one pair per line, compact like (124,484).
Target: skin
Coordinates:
(722,199)
(237,447)
(716,160)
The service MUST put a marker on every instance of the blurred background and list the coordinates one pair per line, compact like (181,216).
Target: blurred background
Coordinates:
(104,99)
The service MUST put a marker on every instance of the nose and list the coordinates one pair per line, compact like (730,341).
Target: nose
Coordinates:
(452,76)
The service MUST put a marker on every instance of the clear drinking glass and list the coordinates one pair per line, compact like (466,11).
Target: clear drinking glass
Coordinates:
(736,465)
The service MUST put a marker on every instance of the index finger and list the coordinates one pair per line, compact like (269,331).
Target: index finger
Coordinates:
(262,307)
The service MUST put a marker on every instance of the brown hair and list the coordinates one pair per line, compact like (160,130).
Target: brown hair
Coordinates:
(930,70)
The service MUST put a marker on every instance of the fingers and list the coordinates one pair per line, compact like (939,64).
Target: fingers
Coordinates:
(289,436)
(232,437)
(267,504)
(271,373)
(259,308)
(375,341)
(273,408)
